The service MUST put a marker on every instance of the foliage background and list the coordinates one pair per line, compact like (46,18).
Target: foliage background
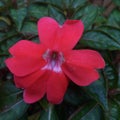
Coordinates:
(100,100)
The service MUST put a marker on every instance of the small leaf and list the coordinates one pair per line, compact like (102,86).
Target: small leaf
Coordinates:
(114,111)
(6,41)
(98,91)
(37,10)
(56,14)
(90,111)
(87,14)
(114,18)
(100,40)
(78,3)
(29,28)
(110,71)
(6,20)
(18,16)
(8,94)
(14,112)
(111,31)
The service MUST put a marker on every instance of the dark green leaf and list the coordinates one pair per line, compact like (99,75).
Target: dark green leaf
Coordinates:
(14,112)
(37,10)
(111,31)
(18,16)
(87,15)
(78,3)
(56,2)
(49,114)
(117,2)
(25,117)
(114,18)
(8,94)
(90,111)
(6,41)
(98,91)
(114,111)
(100,40)
(56,14)
(110,71)
(29,28)
(75,95)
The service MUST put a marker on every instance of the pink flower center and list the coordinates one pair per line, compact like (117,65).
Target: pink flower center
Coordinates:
(54,60)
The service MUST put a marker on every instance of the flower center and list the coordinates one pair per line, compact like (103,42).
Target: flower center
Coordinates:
(54,60)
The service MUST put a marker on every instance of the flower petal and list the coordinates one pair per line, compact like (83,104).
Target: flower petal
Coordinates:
(25,48)
(47,28)
(59,37)
(26,81)
(56,87)
(69,34)
(37,90)
(85,58)
(80,75)
(27,58)
(22,67)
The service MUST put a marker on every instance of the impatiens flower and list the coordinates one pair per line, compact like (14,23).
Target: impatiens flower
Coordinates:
(45,68)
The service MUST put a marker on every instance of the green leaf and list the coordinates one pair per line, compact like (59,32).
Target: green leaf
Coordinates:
(49,114)
(6,20)
(114,111)
(37,10)
(18,16)
(8,94)
(90,111)
(14,112)
(25,117)
(110,71)
(78,3)
(104,37)
(98,39)
(75,95)
(6,41)
(29,28)
(114,18)
(57,3)
(117,2)
(111,31)
(87,14)
(3,25)
(98,91)
(56,14)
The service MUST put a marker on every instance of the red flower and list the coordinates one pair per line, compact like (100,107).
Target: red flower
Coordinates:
(45,68)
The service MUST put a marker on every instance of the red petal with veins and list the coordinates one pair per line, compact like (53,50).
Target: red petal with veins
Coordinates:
(26,81)
(25,48)
(47,28)
(80,75)
(85,58)
(56,87)
(59,37)
(37,90)
(27,58)
(69,34)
